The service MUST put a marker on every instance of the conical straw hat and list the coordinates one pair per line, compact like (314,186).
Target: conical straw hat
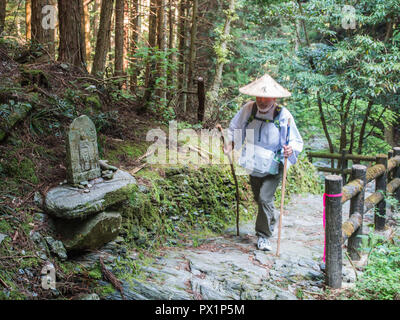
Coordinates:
(265,86)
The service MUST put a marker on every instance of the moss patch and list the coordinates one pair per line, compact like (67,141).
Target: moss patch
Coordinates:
(21,169)
(186,200)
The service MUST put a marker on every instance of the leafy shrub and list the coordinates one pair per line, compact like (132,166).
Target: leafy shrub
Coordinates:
(383,264)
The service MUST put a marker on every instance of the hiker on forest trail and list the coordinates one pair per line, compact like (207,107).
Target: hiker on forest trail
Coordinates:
(261,127)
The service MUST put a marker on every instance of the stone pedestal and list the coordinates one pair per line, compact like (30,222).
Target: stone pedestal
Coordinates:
(90,233)
(69,202)
(84,220)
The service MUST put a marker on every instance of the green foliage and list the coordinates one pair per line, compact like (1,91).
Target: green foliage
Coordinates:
(359,65)
(383,264)
(164,60)
(105,121)
(96,273)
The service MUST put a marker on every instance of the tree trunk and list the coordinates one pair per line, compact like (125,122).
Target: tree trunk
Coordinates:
(363,127)
(119,37)
(298,41)
(325,127)
(3,5)
(86,24)
(353,129)
(171,42)
(162,73)
(192,50)
(181,50)
(28,17)
(389,135)
(127,27)
(103,37)
(72,39)
(344,115)
(95,22)
(135,29)
(223,47)
(150,66)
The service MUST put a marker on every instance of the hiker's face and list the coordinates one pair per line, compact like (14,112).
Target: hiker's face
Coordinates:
(265,104)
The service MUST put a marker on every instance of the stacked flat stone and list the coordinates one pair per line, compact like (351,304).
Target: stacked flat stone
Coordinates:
(88,217)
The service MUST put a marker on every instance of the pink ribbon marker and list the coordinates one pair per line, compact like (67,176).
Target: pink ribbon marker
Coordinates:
(323,215)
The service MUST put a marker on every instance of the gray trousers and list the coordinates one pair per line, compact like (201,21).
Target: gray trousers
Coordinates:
(264,194)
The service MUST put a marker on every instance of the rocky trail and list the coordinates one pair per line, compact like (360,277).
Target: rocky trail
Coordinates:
(231,267)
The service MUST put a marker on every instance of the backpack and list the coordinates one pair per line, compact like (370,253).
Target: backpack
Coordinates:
(276,122)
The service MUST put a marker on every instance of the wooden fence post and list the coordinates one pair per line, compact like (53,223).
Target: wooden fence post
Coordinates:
(202,99)
(396,173)
(357,205)
(381,183)
(333,231)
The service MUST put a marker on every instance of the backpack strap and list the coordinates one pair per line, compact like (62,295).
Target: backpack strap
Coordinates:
(253,116)
(276,121)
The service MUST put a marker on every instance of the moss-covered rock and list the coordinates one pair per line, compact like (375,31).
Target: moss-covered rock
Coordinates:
(10,114)
(94,102)
(30,77)
(91,233)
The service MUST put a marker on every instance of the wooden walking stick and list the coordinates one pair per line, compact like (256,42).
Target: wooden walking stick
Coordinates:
(218,126)
(283,191)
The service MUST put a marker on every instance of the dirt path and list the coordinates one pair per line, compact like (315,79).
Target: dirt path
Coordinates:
(231,267)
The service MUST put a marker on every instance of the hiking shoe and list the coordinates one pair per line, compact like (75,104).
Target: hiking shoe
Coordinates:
(264,244)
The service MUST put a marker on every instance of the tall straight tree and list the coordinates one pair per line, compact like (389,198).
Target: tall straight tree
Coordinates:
(28,18)
(95,16)
(134,39)
(171,42)
(86,29)
(150,67)
(3,5)
(222,50)
(103,37)
(72,39)
(182,83)
(42,34)
(162,46)
(192,48)
(193,34)
(119,37)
